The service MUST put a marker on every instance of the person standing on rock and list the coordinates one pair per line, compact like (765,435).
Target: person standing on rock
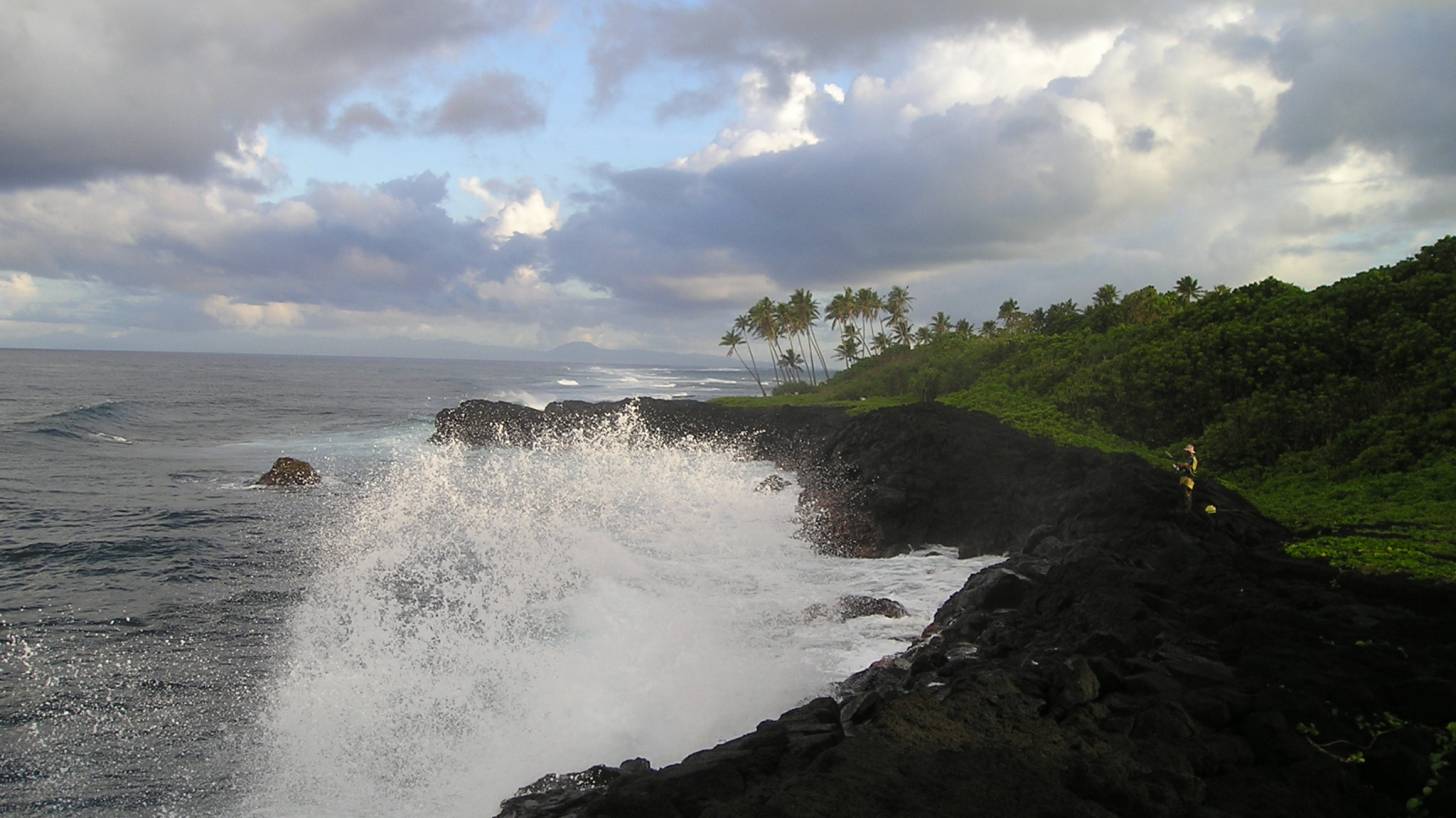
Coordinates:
(1186,468)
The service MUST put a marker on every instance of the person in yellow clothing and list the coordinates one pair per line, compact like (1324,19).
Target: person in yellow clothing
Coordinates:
(1187,468)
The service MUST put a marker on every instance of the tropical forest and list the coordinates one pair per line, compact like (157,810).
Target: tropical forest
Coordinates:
(1333,409)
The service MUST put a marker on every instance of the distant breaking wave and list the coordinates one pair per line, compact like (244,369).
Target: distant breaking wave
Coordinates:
(81,422)
(105,410)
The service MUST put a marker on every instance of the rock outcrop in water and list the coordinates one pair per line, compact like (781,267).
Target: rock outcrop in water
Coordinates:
(787,435)
(1128,659)
(287,471)
(853,606)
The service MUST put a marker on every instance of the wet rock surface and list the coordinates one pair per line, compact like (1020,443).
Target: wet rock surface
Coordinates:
(853,606)
(287,471)
(786,435)
(773,484)
(1128,659)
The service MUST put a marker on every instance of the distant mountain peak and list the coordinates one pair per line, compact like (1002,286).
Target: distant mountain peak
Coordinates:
(585,352)
(579,346)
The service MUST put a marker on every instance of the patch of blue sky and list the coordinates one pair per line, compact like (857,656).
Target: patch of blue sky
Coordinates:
(560,156)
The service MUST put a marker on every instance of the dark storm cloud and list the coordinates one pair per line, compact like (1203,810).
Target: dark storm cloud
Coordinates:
(780,36)
(975,182)
(1381,81)
(493,102)
(92,89)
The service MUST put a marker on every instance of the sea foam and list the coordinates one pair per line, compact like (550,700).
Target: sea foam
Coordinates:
(482,617)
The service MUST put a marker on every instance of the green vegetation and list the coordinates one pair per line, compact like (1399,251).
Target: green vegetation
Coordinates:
(1334,410)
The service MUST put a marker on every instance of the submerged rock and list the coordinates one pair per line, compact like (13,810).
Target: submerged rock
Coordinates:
(853,606)
(287,471)
(559,794)
(772,484)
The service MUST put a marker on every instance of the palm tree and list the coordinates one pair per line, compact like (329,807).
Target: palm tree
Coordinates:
(1106,296)
(1105,312)
(733,339)
(806,313)
(792,363)
(923,336)
(881,342)
(939,324)
(904,336)
(867,305)
(855,341)
(841,310)
(963,328)
(744,324)
(897,305)
(766,326)
(848,349)
(1188,290)
(1062,317)
(1037,320)
(1009,314)
(788,321)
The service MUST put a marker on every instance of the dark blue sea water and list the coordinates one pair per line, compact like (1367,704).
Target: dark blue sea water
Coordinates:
(428,629)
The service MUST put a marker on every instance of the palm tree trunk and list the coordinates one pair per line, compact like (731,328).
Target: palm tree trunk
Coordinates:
(739,356)
(819,349)
(808,358)
(755,369)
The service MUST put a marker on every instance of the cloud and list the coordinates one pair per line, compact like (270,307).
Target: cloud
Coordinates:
(93,89)
(693,102)
(769,124)
(525,287)
(232,313)
(358,120)
(1380,80)
(494,102)
(1004,159)
(781,37)
(354,246)
(980,153)
(512,210)
(974,182)
(17,290)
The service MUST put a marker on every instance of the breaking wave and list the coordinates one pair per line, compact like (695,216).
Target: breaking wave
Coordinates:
(482,617)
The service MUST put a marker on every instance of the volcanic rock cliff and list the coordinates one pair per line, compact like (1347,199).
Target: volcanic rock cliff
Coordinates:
(1130,658)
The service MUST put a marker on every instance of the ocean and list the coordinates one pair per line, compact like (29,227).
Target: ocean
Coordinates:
(424,632)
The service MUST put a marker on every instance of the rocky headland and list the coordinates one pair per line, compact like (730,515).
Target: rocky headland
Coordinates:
(1129,658)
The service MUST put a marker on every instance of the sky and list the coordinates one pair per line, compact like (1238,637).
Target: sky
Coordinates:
(451,177)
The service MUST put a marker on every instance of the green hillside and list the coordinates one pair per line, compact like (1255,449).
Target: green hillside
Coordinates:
(1334,409)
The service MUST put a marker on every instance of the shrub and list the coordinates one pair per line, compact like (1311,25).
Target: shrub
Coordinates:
(793,388)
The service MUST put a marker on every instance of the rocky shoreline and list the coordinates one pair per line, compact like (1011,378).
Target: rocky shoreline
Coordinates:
(1128,659)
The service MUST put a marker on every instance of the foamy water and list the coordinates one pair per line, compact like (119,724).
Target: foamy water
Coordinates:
(482,617)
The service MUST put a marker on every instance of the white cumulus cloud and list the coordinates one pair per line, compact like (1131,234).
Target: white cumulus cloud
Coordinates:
(510,212)
(770,124)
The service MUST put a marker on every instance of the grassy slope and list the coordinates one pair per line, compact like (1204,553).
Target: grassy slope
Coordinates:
(1334,410)
(1389,523)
